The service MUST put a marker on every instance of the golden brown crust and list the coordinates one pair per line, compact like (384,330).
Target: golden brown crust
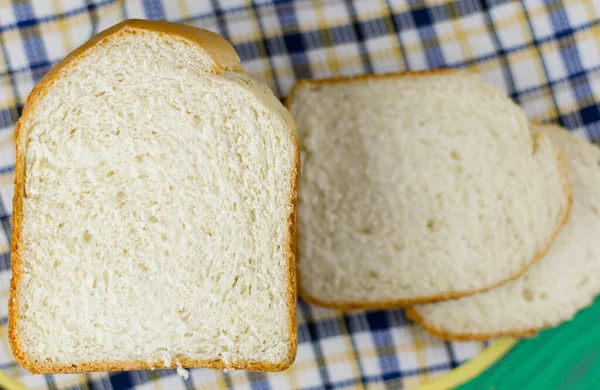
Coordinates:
(292,247)
(225,59)
(16,256)
(354,79)
(345,306)
(414,315)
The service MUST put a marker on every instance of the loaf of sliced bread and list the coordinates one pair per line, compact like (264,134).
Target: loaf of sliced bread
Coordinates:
(419,187)
(154,210)
(552,290)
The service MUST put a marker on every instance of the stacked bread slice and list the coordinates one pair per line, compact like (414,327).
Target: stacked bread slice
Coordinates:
(421,188)
(552,290)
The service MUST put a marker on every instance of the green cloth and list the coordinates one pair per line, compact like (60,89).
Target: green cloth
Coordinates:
(566,357)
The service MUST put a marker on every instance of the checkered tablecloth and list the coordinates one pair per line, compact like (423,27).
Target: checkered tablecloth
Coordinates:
(545,55)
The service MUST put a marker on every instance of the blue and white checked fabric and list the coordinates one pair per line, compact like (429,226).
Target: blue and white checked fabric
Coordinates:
(544,54)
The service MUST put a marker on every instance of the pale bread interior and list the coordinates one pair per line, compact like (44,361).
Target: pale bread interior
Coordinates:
(552,290)
(417,187)
(156,218)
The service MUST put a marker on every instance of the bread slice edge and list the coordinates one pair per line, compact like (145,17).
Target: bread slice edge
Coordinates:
(224,59)
(390,304)
(413,314)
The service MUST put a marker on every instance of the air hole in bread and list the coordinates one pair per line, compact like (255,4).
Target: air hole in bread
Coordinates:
(399,247)
(455,155)
(366,230)
(431,225)
(152,218)
(235,281)
(527,294)
(184,314)
(584,281)
(87,236)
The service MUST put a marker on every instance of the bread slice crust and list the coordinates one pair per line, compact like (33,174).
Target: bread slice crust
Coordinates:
(389,304)
(414,316)
(224,59)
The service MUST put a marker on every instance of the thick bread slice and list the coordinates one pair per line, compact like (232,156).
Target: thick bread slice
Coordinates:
(154,210)
(419,187)
(552,290)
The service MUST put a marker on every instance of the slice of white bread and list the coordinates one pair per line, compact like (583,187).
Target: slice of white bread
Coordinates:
(154,210)
(419,187)
(552,290)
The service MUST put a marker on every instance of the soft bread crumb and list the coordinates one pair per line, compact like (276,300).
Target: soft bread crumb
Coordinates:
(152,180)
(552,290)
(417,187)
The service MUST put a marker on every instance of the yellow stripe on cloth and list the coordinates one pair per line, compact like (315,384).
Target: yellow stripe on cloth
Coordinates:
(8,383)
(469,370)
